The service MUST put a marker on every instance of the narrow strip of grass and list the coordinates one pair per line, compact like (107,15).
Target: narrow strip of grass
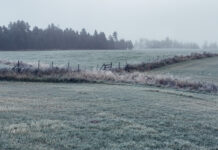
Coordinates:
(169,61)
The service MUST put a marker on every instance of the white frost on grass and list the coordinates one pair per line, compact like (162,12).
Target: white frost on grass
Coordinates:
(152,79)
(43,124)
(20,128)
(25,128)
(128,124)
(10,108)
(142,78)
(183,144)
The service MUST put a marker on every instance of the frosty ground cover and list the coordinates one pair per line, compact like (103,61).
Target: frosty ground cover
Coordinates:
(103,116)
(199,70)
(89,59)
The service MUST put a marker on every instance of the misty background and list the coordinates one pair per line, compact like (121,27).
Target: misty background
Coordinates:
(183,20)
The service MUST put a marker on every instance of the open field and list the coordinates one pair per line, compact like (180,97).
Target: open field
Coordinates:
(99,116)
(89,59)
(111,116)
(128,74)
(199,70)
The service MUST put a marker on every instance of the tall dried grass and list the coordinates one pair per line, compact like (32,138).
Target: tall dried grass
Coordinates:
(61,75)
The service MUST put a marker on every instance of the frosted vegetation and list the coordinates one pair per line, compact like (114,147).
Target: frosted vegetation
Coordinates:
(168,61)
(167,81)
(200,70)
(168,108)
(99,116)
(93,59)
(26,72)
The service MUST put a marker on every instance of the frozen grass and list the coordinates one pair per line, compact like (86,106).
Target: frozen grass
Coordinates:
(169,61)
(43,116)
(98,116)
(61,75)
(198,70)
(90,59)
(26,72)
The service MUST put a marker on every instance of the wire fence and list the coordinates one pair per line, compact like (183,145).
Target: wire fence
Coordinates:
(77,67)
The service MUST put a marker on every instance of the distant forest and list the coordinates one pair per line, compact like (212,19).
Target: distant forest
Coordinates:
(168,43)
(19,36)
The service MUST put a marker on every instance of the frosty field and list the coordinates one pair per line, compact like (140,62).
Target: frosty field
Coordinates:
(200,70)
(97,116)
(89,59)
(65,116)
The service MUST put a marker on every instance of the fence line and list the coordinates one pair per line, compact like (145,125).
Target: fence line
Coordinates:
(20,65)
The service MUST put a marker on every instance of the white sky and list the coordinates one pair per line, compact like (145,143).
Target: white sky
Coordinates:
(185,20)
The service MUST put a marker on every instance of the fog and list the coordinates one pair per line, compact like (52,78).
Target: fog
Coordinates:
(184,20)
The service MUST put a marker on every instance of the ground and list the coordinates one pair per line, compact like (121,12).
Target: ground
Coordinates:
(199,70)
(107,116)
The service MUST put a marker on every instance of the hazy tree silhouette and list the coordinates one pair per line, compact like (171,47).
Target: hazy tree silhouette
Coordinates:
(18,35)
(166,43)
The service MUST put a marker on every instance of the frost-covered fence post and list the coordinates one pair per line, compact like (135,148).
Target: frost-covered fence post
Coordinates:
(52,64)
(38,64)
(68,66)
(18,66)
(78,68)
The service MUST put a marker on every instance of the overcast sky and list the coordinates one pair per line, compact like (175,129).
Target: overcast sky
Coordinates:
(185,20)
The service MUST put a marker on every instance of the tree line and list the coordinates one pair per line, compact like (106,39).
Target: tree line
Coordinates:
(19,36)
(207,45)
(166,43)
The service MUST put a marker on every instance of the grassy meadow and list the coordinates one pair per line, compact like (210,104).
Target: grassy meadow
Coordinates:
(89,59)
(98,116)
(199,70)
(66,116)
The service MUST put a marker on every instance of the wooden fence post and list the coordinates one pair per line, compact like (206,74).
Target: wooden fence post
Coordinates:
(78,69)
(38,64)
(52,63)
(18,66)
(68,66)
